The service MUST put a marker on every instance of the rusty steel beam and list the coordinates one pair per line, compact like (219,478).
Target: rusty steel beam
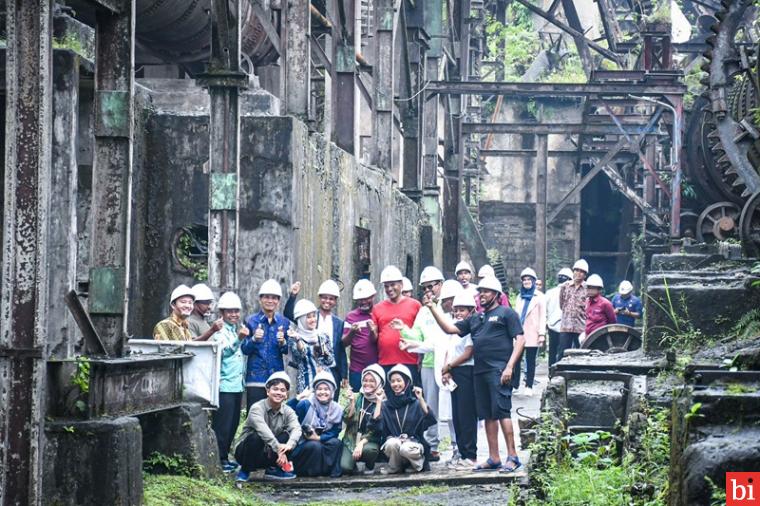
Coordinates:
(382,76)
(344,81)
(536,90)
(111,179)
(581,43)
(297,67)
(542,159)
(550,128)
(23,298)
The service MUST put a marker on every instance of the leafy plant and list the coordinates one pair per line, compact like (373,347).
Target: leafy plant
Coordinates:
(175,464)
(81,377)
(694,412)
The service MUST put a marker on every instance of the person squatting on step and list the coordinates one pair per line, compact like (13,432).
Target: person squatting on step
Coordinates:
(270,433)
(401,419)
(319,450)
(361,443)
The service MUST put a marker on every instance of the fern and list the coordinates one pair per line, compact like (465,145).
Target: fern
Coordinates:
(748,325)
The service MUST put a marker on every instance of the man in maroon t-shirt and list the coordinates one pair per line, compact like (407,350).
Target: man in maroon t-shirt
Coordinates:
(599,311)
(395,306)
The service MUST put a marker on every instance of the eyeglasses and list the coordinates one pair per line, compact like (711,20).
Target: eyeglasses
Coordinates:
(429,286)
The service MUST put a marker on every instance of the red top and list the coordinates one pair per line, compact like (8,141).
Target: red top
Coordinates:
(388,338)
(599,312)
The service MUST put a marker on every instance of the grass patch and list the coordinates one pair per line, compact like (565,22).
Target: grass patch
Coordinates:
(425,490)
(170,490)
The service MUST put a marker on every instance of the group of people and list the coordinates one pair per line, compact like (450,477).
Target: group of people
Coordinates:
(406,367)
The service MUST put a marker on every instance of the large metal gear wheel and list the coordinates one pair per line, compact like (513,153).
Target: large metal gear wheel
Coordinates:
(749,226)
(614,338)
(718,222)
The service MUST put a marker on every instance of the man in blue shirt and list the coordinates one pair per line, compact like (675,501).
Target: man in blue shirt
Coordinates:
(627,306)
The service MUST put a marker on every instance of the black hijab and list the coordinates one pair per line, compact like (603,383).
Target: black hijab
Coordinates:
(406,397)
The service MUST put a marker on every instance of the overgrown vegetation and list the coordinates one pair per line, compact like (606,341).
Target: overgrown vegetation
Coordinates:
(159,463)
(583,469)
(679,333)
(81,379)
(514,43)
(70,41)
(191,254)
(166,490)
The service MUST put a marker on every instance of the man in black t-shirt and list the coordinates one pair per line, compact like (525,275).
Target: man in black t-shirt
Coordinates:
(498,342)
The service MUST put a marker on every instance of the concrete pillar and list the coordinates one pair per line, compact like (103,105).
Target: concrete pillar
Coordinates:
(111,177)
(542,156)
(297,43)
(62,228)
(23,298)
(382,76)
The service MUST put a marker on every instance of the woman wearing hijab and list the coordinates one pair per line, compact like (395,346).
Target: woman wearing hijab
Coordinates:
(401,421)
(311,352)
(319,450)
(531,306)
(360,442)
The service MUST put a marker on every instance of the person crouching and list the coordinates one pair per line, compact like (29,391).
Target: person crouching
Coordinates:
(360,442)
(270,433)
(319,450)
(402,420)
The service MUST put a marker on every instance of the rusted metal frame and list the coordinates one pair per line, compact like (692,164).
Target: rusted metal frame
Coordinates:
(585,180)
(552,153)
(581,43)
(111,6)
(224,81)
(364,88)
(608,91)
(93,344)
(343,84)
(111,175)
(609,23)
(382,77)
(631,195)
(435,30)
(23,324)
(542,159)
(553,7)
(409,101)
(572,32)
(266,24)
(644,161)
(549,128)
(318,51)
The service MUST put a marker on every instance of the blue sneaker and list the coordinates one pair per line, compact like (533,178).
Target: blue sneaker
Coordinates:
(276,473)
(242,476)
(229,467)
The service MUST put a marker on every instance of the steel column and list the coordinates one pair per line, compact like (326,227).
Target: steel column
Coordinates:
(111,173)
(24,284)
(382,77)
(344,87)
(297,50)
(542,156)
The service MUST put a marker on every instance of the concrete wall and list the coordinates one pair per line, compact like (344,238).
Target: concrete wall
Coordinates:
(508,195)
(300,199)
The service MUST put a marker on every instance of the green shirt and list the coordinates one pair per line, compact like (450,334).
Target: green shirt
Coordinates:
(425,328)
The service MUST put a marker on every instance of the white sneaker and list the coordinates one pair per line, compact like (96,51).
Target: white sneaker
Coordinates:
(528,392)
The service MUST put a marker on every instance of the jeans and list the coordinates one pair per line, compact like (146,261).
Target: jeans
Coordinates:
(225,421)
(355,380)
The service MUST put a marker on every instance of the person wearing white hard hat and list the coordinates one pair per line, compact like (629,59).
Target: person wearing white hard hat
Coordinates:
(327,323)
(174,327)
(270,433)
(627,306)
(383,313)
(554,313)
(401,417)
(266,343)
(361,443)
(484,272)
(464,274)
(319,450)
(599,310)
(360,333)
(225,419)
(426,337)
(407,289)
(311,351)
(531,306)
(572,302)
(197,322)
(498,343)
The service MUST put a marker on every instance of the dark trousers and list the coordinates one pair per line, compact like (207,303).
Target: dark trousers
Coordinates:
(253,395)
(416,378)
(252,453)
(338,380)
(530,365)
(553,345)
(567,340)
(318,458)
(355,380)
(464,416)
(225,421)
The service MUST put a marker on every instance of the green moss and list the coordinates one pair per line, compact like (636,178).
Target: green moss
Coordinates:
(70,41)
(167,490)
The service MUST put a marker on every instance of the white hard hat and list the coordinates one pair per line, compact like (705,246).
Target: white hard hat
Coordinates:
(229,300)
(581,265)
(279,375)
(464,299)
(565,271)
(595,281)
(377,370)
(329,287)
(303,307)
(462,266)
(364,289)
(181,291)
(391,273)
(486,271)
(625,287)
(270,287)
(406,285)
(324,376)
(202,292)
(528,272)
(450,288)
(400,368)
(431,273)
(490,283)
